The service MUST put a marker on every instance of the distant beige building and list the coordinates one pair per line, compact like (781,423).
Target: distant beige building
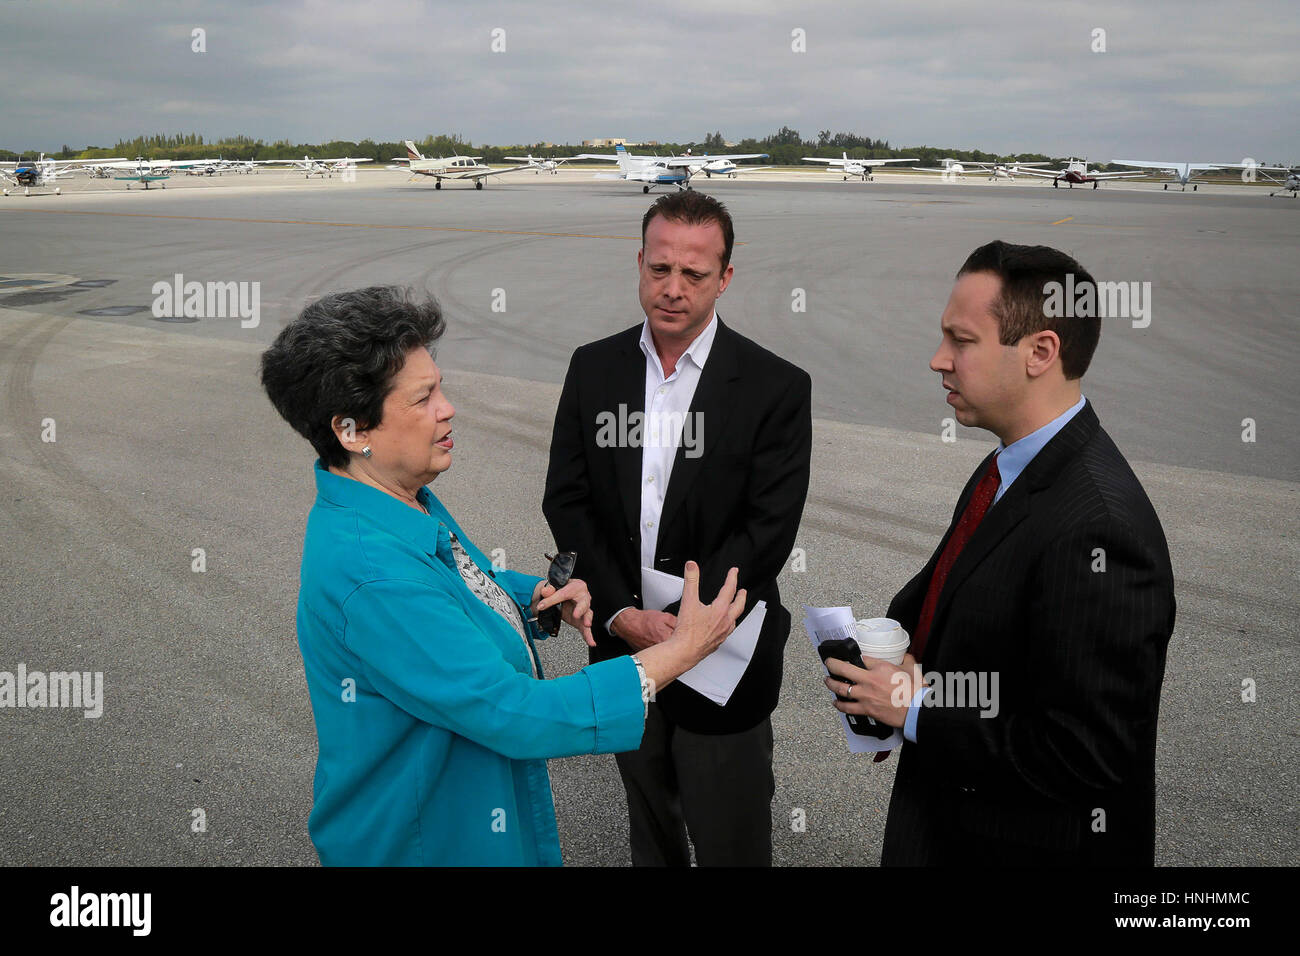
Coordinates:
(604,142)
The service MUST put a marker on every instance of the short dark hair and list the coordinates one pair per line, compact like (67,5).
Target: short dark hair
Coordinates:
(339,357)
(1019,308)
(692,209)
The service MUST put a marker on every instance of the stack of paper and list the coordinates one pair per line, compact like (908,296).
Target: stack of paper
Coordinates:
(718,674)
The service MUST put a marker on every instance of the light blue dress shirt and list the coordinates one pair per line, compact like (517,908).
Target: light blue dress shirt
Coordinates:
(1013,459)
(433,732)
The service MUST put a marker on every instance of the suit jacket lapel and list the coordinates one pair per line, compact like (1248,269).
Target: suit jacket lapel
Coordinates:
(1013,507)
(626,390)
(710,407)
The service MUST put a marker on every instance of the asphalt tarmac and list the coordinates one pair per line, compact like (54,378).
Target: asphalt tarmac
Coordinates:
(164,443)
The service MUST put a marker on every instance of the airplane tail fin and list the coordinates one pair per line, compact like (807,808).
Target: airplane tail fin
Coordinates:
(411,151)
(624,161)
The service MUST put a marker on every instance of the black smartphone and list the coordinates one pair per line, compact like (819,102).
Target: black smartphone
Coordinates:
(847,649)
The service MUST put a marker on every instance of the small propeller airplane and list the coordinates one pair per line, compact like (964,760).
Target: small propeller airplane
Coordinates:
(551,166)
(855,167)
(453,167)
(1184,173)
(41,172)
(952,168)
(317,167)
(1076,171)
(1291,184)
(654,171)
(725,167)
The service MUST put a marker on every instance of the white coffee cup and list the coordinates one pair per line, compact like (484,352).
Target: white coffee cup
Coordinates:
(883,639)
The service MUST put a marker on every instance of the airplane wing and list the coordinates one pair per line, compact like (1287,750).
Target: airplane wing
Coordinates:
(818,159)
(1148,164)
(484,173)
(881,162)
(605,156)
(1271,169)
(1045,173)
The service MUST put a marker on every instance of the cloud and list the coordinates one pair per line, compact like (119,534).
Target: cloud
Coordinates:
(1174,79)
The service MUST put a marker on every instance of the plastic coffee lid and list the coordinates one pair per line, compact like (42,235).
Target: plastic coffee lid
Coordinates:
(875,630)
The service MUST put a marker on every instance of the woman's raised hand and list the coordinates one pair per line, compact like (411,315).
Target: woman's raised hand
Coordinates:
(701,628)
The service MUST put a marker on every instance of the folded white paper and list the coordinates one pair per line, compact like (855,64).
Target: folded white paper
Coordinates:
(717,676)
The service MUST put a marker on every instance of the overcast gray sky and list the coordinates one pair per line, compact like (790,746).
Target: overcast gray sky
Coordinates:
(1190,80)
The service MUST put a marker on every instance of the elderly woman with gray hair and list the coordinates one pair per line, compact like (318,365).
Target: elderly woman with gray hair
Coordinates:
(433,720)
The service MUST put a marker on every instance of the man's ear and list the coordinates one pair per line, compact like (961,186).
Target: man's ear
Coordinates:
(1044,351)
(727,273)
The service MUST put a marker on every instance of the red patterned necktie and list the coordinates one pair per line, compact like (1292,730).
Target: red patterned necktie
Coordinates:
(966,525)
(979,503)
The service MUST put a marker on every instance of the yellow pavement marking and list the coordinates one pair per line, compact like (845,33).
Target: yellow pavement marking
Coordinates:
(1059,221)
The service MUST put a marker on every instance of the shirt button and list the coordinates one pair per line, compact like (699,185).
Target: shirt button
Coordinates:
(650,480)
(649,524)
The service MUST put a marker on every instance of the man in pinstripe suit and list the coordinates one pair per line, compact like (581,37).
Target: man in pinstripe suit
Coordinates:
(1052,588)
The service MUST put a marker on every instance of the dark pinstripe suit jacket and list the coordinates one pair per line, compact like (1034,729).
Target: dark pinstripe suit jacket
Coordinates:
(1065,771)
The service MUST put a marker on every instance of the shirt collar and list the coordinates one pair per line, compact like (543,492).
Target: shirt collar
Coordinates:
(386,510)
(1015,458)
(697,351)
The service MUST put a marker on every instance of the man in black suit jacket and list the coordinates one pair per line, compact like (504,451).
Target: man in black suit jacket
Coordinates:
(728,491)
(1043,618)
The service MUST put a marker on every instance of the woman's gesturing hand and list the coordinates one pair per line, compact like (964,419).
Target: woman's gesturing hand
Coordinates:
(701,628)
(575,605)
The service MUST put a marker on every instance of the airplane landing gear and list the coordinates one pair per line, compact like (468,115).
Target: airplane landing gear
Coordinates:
(645,189)
(478,184)
(438,184)
(1166,186)
(1193,187)
(1096,183)
(1056,184)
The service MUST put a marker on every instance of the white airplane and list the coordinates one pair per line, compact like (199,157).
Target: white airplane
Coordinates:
(855,167)
(725,167)
(660,171)
(952,168)
(1291,184)
(46,172)
(1076,171)
(453,167)
(36,173)
(549,165)
(1184,173)
(318,167)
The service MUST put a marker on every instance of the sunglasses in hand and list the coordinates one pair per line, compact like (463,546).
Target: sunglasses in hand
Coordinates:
(558,575)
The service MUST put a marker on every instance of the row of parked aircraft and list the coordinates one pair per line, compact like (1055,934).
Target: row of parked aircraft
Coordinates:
(649,171)
(1076,172)
(47,172)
